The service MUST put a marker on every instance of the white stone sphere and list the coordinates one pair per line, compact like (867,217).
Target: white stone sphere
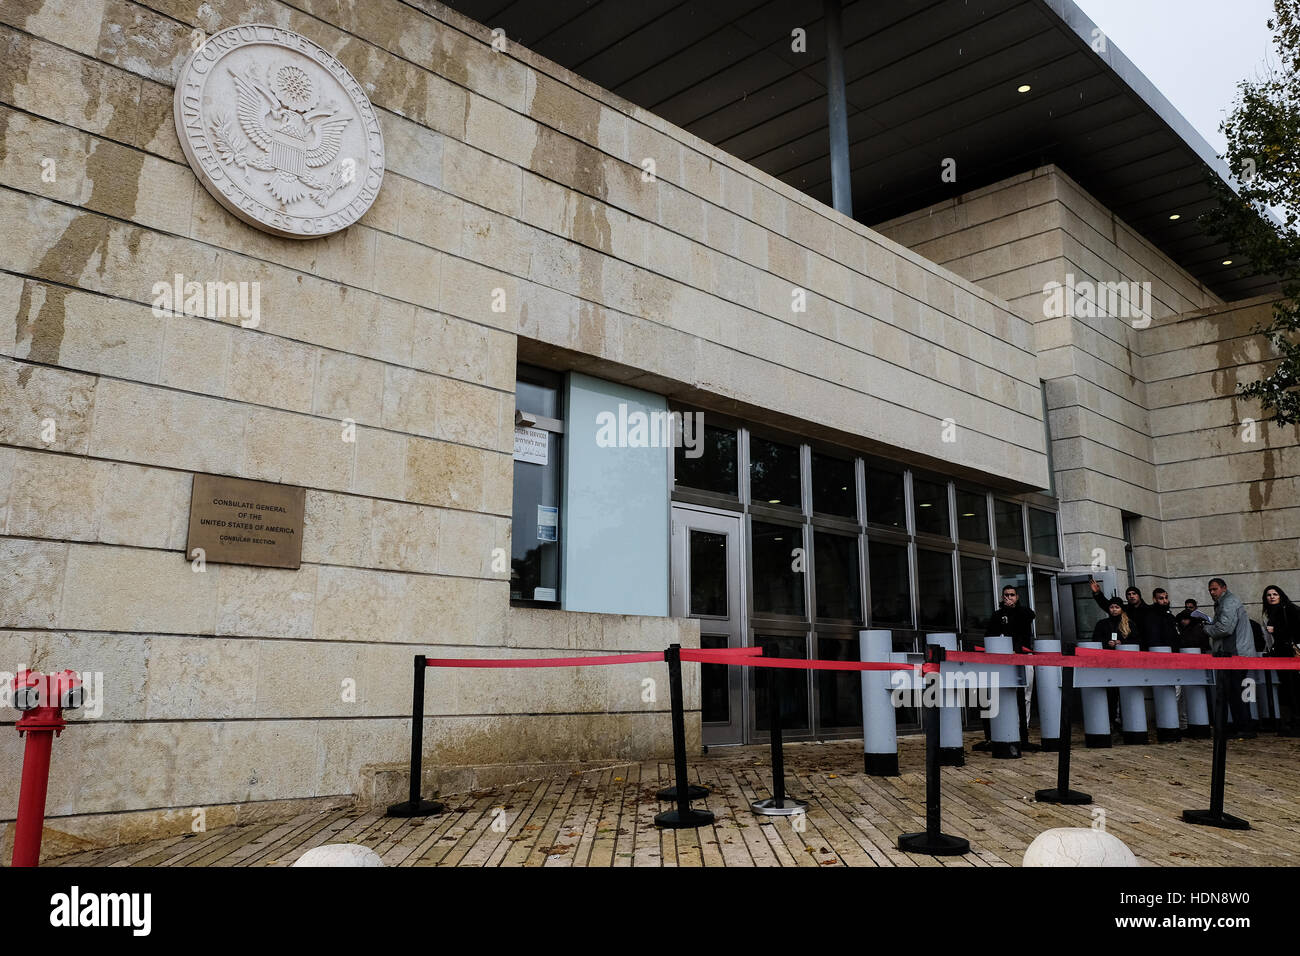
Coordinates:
(340,854)
(1078,846)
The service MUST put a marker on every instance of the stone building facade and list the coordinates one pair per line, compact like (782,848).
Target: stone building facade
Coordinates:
(515,225)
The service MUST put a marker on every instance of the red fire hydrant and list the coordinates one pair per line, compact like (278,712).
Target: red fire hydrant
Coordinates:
(42,699)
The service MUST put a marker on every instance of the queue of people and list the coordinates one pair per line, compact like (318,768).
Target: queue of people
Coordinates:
(1230,631)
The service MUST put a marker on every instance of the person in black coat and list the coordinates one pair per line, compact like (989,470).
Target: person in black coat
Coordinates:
(1141,616)
(1282,624)
(1017,623)
(1113,629)
(1012,620)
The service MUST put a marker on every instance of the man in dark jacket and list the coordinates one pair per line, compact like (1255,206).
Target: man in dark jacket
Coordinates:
(1017,623)
(1014,621)
(1164,626)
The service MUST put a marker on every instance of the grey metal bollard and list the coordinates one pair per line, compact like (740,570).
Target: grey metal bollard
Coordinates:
(951,751)
(1132,708)
(879,722)
(1165,700)
(1096,711)
(1047,689)
(1004,727)
(1198,706)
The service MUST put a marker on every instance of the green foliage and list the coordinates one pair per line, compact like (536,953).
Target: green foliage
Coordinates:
(1263,133)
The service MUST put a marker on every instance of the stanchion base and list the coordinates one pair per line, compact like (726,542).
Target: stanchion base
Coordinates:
(952,757)
(768,808)
(1050,745)
(881,765)
(1005,750)
(1207,818)
(1198,732)
(674,820)
(1069,798)
(1168,735)
(693,792)
(1135,738)
(1097,740)
(940,844)
(425,808)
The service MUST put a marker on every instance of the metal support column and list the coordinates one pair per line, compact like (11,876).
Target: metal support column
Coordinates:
(837,114)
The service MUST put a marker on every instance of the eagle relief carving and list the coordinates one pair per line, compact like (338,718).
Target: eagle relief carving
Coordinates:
(279,131)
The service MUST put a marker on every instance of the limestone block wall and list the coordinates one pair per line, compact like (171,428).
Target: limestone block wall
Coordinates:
(1229,493)
(508,180)
(1013,238)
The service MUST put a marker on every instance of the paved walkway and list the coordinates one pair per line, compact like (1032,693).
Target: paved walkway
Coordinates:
(605,816)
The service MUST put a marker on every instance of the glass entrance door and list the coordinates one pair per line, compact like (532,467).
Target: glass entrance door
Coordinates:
(706,585)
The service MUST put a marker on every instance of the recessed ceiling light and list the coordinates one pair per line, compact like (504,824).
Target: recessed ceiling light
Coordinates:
(1175,216)
(1023,89)
(969,514)
(773,501)
(1227,262)
(925,504)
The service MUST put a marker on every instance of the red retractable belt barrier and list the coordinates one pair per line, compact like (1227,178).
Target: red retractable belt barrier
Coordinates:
(647,658)
(1130,660)
(713,657)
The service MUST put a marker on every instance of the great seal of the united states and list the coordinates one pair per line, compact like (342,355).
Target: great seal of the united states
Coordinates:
(279,131)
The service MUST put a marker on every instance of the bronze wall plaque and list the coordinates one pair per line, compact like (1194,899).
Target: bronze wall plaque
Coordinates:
(237,521)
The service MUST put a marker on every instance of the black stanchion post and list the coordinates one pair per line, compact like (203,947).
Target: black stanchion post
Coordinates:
(414,806)
(1215,817)
(779,805)
(932,840)
(1062,793)
(683,817)
(693,790)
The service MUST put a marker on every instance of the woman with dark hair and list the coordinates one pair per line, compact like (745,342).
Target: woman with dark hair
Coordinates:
(1112,631)
(1282,622)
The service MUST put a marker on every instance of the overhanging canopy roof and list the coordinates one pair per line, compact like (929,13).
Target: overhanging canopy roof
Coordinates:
(925,80)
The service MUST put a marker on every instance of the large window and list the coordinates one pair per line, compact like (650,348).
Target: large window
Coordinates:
(838,541)
(931,501)
(886,503)
(834,486)
(535,528)
(774,473)
(1042,533)
(973,517)
(977,596)
(711,465)
(839,586)
(936,603)
(779,561)
(891,585)
(1009,524)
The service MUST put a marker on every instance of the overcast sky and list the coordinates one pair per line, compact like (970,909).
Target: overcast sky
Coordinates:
(1193,51)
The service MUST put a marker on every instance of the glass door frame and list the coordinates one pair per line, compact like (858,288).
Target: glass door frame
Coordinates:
(685,518)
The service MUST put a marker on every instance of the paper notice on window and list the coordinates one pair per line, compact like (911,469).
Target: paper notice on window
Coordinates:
(532,445)
(548,523)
